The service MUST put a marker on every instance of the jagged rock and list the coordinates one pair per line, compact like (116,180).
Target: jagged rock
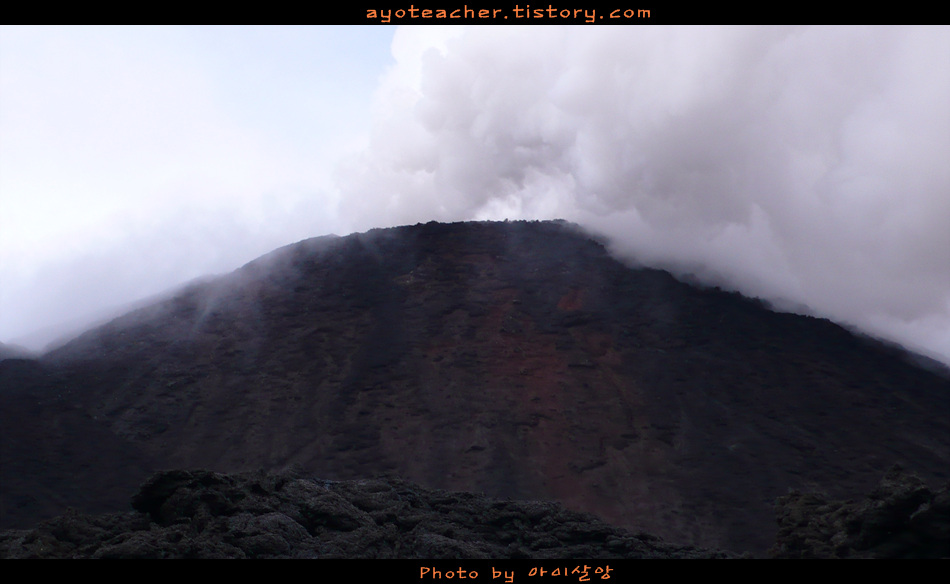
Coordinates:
(203,514)
(901,518)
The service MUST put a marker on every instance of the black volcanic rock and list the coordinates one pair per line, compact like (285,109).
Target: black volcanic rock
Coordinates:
(901,518)
(201,514)
(515,359)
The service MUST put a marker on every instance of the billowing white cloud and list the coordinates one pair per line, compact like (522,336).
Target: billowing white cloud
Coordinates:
(805,165)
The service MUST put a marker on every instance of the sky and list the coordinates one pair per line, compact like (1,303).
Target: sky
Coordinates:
(807,166)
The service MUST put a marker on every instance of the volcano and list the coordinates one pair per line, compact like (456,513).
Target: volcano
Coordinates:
(516,359)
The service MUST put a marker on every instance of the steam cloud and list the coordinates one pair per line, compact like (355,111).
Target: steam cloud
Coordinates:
(804,165)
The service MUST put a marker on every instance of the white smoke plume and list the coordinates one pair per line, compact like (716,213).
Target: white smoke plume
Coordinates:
(804,165)
(809,166)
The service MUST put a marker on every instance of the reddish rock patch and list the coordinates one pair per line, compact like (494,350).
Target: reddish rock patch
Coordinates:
(573,300)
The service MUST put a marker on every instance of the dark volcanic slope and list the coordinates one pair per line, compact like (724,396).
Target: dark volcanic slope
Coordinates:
(516,359)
